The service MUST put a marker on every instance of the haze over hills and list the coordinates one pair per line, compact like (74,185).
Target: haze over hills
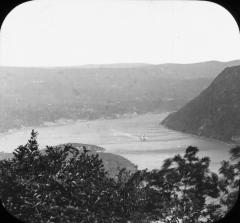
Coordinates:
(175,70)
(33,96)
(215,112)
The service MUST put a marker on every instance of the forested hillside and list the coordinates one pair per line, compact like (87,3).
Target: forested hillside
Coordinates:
(32,96)
(215,113)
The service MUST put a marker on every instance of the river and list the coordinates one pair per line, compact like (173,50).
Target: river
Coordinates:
(122,136)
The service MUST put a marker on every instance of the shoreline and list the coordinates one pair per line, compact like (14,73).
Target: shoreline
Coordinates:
(101,134)
(211,139)
(63,122)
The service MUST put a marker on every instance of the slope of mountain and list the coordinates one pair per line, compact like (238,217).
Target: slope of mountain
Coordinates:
(32,96)
(92,148)
(215,112)
(112,163)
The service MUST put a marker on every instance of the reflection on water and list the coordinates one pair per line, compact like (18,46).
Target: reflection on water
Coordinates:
(122,136)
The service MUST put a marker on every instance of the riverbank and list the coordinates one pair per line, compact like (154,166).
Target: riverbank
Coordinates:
(122,137)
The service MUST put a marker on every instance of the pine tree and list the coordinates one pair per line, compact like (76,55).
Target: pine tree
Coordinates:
(68,185)
(23,151)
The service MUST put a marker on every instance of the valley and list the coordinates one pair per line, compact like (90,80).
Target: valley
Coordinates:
(33,96)
(122,137)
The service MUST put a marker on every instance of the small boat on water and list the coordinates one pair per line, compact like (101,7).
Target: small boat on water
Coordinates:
(143,138)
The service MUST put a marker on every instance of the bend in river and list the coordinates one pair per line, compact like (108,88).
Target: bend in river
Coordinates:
(123,136)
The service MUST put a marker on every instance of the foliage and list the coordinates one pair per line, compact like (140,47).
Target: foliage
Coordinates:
(65,184)
(61,185)
(179,190)
(229,182)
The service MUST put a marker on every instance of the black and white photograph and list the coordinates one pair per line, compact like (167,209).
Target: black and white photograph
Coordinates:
(119,111)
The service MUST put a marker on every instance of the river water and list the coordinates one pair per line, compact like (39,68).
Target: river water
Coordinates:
(122,136)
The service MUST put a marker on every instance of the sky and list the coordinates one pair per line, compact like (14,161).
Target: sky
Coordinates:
(79,32)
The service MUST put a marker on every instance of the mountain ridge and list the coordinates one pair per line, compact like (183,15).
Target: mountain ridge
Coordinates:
(32,96)
(215,112)
(126,65)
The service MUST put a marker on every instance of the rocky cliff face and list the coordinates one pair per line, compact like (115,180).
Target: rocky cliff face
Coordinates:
(215,112)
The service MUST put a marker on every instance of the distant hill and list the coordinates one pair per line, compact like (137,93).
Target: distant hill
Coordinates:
(32,96)
(208,69)
(92,148)
(215,112)
(115,65)
(112,163)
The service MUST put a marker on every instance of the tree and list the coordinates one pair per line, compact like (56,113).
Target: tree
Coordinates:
(178,192)
(55,185)
(229,182)
(130,200)
(70,185)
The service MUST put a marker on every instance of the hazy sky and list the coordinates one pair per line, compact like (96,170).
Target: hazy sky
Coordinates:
(76,32)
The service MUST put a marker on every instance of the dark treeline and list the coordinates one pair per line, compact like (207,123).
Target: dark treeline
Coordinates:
(68,185)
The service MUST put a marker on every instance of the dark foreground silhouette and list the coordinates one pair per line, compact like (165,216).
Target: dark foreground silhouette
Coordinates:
(67,184)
